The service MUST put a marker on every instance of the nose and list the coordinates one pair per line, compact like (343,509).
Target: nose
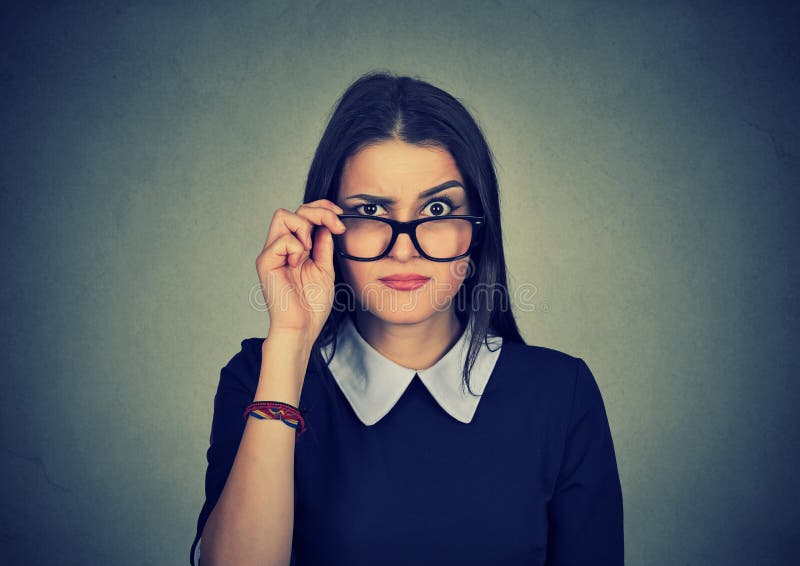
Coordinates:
(403,248)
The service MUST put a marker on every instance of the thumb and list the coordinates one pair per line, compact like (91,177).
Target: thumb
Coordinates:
(322,249)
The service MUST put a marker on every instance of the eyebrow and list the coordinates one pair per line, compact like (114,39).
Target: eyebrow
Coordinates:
(426,193)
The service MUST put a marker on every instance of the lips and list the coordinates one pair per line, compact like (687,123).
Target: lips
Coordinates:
(405,277)
(404,281)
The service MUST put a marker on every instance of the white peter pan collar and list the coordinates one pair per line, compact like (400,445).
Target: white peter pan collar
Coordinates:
(373,383)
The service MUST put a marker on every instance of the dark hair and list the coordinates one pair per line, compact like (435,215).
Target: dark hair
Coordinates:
(380,106)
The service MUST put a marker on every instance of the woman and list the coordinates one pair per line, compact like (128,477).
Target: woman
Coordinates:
(408,420)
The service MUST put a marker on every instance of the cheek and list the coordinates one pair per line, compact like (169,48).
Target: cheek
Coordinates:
(356,273)
(451,275)
(461,269)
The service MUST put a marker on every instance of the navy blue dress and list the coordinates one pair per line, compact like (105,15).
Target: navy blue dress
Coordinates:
(532,479)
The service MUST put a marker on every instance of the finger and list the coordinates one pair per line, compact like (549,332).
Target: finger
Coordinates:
(301,223)
(322,251)
(322,217)
(286,222)
(282,252)
(325,203)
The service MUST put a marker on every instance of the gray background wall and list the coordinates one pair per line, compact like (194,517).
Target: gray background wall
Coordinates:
(649,159)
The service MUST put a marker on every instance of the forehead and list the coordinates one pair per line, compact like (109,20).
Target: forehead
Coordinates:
(397,168)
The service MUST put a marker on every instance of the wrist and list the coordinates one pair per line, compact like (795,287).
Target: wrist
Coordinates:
(284,361)
(297,341)
(273,391)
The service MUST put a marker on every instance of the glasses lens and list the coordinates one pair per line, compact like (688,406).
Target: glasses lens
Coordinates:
(442,238)
(364,237)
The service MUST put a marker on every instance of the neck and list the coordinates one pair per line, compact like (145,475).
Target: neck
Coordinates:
(415,346)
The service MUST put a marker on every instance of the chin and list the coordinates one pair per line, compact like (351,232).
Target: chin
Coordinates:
(411,314)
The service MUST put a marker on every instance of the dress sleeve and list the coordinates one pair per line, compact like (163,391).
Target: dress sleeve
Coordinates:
(585,514)
(237,384)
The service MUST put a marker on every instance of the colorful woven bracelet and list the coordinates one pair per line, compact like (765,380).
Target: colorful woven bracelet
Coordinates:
(284,412)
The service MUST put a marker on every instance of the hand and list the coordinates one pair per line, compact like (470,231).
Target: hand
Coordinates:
(295,268)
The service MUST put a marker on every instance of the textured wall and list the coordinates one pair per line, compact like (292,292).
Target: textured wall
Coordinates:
(649,160)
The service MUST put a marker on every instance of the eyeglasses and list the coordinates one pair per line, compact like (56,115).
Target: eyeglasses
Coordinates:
(438,238)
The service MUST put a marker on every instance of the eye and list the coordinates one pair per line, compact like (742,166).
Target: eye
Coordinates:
(435,206)
(439,207)
(369,208)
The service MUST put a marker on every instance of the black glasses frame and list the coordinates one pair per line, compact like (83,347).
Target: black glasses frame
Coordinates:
(410,228)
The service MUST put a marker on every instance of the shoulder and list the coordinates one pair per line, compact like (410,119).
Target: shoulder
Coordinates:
(541,359)
(543,366)
(547,374)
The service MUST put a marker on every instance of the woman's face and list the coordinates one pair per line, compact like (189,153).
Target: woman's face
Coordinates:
(386,180)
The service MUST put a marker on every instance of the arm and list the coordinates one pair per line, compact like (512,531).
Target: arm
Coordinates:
(585,513)
(252,520)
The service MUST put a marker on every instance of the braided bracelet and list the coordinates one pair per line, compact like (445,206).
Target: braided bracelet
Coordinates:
(284,412)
